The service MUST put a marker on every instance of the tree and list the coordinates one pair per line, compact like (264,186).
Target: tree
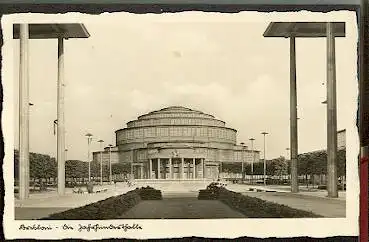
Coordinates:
(280,166)
(121,168)
(76,169)
(232,167)
(341,162)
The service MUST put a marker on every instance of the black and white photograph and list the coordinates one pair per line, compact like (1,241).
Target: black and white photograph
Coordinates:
(200,124)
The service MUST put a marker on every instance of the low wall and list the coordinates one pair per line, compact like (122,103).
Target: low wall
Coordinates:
(184,185)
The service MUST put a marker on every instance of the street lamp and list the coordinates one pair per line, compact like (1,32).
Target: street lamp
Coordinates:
(252,160)
(264,133)
(89,139)
(287,152)
(101,170)
(110,175)
(66,154)
(288,158)
(243,157)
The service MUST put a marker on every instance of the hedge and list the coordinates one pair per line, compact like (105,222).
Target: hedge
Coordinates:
(149,193)
(253,207)
(109,208)
(206,194)
(210,193)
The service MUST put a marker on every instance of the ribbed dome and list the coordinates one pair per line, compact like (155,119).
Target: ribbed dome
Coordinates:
(176,123)
(175,115)
(174,112)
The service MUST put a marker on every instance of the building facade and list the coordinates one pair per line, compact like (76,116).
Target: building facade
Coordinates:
(177,143)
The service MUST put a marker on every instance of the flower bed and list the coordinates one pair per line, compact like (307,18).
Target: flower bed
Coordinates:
(108,208)
(253,207)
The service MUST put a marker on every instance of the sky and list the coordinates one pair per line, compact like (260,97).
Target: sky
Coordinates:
(134,64)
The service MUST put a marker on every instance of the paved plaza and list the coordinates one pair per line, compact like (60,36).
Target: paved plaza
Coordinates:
(180,201)
(313,201)
(40,205)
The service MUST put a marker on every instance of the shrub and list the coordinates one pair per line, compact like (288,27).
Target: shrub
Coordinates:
(109,208)
(105,209)
(257,208)
(208,194)
(149,193)
(252,207)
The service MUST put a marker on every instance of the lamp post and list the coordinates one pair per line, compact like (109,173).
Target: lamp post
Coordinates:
(252,160)
(89,139)
(101,170)
(110,175)
(242,165)
(287,158)
(264,133)
(66,154)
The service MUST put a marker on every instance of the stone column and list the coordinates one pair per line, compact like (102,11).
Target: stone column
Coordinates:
(132,175)
(182,168)
(194,168)
(24,113)
(170,169)
(331,114)
(203,167)
(150,168)
(60,118)
(158,176)
(188,170)
(142,171)
(293,117)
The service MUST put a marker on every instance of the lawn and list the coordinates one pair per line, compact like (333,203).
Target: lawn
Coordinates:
(181,208)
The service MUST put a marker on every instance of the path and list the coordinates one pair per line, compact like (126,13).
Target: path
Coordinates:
(308,201)
(317,205)
(181,205)
(40,205)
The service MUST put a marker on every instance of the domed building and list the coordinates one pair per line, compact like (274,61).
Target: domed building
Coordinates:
(177,143)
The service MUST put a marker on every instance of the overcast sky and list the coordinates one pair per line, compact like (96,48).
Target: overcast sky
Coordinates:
(132,65)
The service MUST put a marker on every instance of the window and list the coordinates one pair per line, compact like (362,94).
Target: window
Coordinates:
(203,132)
(138,133)
(166,131)
(149,132)
(177,131)
(198,131)
(162,132)
(186,131)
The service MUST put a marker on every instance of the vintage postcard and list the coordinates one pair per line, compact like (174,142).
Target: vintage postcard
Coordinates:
(170,125)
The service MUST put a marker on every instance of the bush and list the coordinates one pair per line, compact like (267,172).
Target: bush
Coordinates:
(105,209)
(109,208)
(149,193)
(252,207)
(208,194)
